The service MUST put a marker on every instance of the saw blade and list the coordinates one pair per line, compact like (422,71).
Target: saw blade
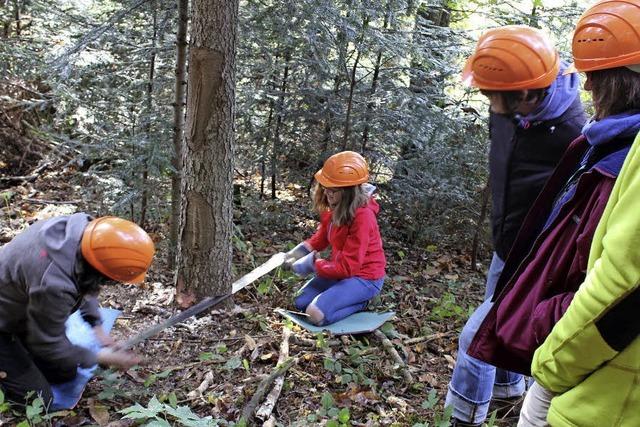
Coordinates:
(274,262)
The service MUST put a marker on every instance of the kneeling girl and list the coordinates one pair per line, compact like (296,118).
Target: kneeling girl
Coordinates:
(354,273)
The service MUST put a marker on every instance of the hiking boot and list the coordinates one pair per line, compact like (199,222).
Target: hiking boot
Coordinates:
(457,423)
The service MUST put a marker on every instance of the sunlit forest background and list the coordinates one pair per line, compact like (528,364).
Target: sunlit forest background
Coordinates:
(94,114)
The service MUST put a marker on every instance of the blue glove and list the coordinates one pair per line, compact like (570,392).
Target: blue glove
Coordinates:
(305,265)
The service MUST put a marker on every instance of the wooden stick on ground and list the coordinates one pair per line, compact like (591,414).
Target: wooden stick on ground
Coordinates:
(306,342)
(428,338)
(388,345)
(280,370)
(264,412)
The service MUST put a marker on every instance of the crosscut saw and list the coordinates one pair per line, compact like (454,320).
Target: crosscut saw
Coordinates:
(274,262)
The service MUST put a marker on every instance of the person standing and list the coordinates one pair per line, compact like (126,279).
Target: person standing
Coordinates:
(535,113)
(588,367)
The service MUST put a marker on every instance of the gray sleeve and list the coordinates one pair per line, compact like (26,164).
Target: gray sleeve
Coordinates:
(90,310)
(50,304)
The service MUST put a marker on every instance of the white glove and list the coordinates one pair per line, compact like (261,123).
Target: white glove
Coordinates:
(294,255)
(305,265)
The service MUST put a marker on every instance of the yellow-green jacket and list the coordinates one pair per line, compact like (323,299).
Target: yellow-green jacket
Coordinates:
(591,359)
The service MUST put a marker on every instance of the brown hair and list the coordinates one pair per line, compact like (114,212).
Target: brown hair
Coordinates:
(352,198)
(614,91)
(511,99)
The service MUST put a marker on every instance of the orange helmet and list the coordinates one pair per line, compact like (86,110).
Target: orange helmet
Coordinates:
(117,248)
(513,57)
(607,35)
(343,170)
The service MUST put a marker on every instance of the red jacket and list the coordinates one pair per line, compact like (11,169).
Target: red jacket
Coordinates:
(356,248)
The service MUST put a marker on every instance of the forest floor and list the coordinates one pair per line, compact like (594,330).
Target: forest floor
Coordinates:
(214,364)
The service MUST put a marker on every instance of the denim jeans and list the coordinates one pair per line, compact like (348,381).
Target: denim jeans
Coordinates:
(337,299)
(474,382)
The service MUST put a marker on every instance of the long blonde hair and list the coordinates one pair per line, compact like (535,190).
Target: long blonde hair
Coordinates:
(352,198)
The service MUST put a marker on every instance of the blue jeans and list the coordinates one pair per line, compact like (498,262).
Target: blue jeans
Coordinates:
(474,382)
(337,299)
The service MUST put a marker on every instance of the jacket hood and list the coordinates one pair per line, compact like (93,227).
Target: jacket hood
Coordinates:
(559,97)
(373,205)
(623,125)
(369,189)
(62,236)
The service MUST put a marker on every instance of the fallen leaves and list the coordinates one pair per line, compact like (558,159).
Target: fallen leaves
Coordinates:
(217,360)
(357,396)
(99,412)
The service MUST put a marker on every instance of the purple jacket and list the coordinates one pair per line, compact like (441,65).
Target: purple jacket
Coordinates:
(548,261)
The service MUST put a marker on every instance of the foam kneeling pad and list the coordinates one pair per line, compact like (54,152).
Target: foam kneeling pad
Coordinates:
(361,322)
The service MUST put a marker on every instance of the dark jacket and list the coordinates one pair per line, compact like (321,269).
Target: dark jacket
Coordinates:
(520,161)
(40,288)
(548,261)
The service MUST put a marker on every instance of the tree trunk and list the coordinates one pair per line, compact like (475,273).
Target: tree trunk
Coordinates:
(279,116)
(204,254)
(17,17)
(267,131)
(133,131)
(265,149)
(479,225)
(370,104)
(438,14)
(533,18)
(144,199)
(374,86)
(352,86)
(178,125)
(341,72)
(352,83)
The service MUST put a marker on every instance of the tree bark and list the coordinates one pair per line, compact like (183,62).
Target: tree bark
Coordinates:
(178,125)
(204,254)
(144,199)
(279,116)
(479,225)
(352,83)
(438,14)
(533,18)
(266,135)
(352,87)
(265,149)
(341,72)
(374,86)
(18,17)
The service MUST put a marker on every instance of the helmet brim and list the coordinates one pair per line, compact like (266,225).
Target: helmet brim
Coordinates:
(323,180)
(138,279)
(467,73)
